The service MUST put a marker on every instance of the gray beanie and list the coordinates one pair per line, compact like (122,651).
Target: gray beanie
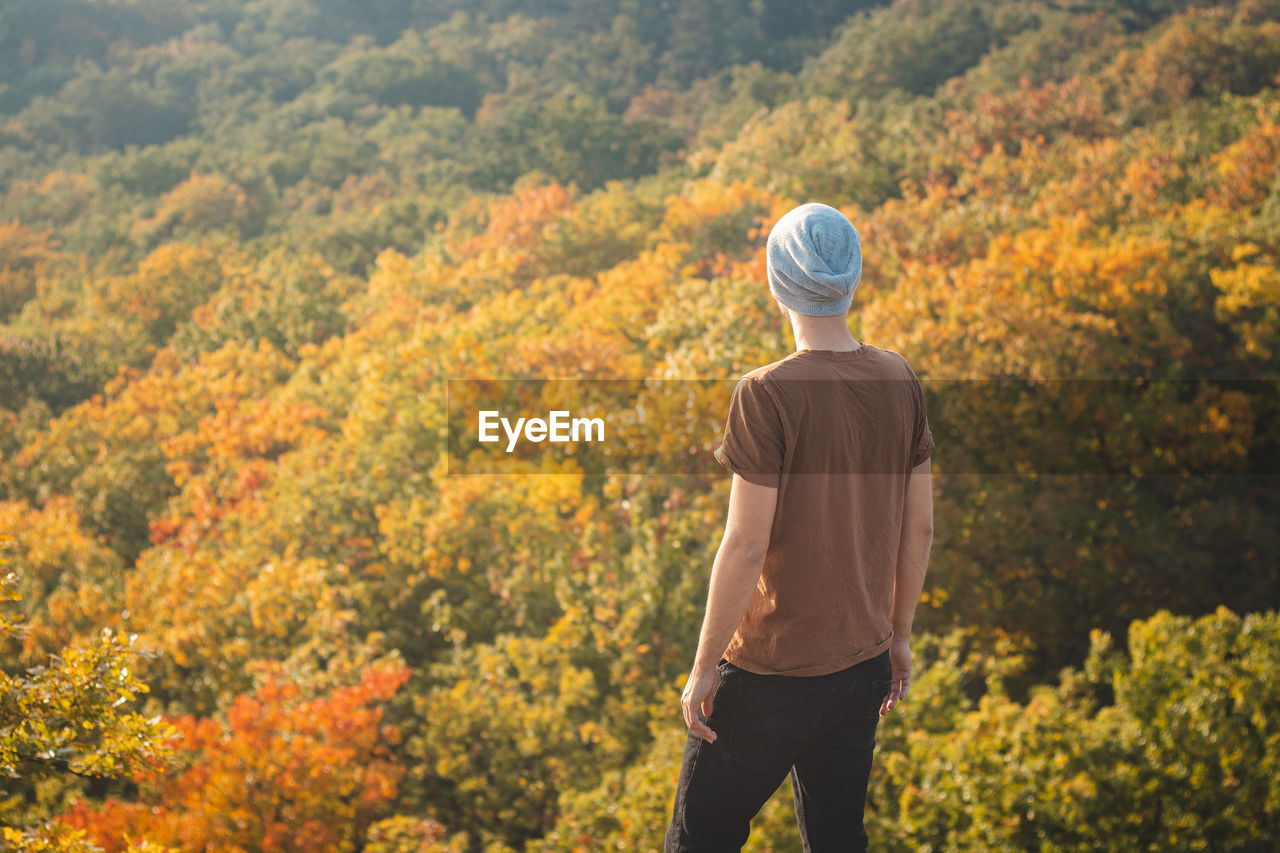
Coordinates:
(814,260)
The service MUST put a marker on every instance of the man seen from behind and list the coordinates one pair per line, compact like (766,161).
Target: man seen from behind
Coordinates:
(805,641)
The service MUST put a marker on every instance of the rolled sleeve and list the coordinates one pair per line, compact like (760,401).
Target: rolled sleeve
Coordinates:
(754,442)
(922,438)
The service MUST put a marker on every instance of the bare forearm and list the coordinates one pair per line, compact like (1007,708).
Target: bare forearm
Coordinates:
(734,575)
(913,561)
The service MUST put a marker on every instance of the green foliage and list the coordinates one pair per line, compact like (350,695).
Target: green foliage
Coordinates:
(406,72)
(628,809)
(570,136)
(283,298)
(109,109)
(1183,758)
(62,716)
(897,47)
(65,717)
(1169,745)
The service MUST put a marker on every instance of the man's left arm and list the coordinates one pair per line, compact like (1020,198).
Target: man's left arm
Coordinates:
(734,575)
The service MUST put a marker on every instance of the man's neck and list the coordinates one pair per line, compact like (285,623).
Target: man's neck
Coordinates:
(822,333)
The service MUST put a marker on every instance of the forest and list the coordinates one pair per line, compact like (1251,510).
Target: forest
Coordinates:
(248,604)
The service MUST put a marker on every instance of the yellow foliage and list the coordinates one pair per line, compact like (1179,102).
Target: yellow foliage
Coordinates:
(1250,301)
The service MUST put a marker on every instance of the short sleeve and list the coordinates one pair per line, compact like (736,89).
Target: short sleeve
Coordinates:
(922,437)
(754,442)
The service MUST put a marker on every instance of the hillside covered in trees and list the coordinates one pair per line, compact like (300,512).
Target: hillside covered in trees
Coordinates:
(247,605)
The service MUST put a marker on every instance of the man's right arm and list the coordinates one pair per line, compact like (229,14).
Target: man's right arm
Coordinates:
(913,560)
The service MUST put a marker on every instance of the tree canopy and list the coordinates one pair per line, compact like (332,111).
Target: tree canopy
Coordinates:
(251,604)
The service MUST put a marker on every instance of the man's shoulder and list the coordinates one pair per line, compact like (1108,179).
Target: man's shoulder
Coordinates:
(764,371)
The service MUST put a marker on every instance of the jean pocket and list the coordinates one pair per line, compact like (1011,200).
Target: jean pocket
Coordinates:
(771,723)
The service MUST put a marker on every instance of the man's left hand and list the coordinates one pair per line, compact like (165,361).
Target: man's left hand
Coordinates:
(698,693)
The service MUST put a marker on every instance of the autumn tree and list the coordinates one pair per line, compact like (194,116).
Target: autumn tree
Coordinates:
(62,721)
(283,772)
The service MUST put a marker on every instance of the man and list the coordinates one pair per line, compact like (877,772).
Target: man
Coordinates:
(805,641)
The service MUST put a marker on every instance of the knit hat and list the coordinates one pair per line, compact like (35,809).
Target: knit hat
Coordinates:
(814,260)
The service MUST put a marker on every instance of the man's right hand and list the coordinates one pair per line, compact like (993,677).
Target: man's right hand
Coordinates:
(900,660)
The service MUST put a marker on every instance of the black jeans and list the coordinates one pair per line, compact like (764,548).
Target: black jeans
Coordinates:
(820,729)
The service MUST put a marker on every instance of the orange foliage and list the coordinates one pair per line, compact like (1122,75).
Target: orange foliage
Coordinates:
(515,227)
(282,773)
(169,279)
(1072,107)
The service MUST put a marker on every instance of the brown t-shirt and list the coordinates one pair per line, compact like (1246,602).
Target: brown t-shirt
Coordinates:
(837,433)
